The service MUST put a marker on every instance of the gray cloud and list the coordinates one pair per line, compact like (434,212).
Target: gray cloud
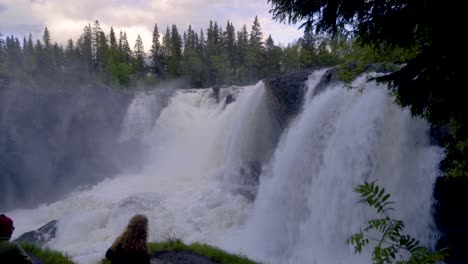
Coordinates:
(3,8)
(20,30)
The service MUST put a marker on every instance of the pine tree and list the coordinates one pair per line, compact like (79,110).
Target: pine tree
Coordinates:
(99,47)
(112,40)
(192,64)
(173,67)
(255,51)
(46,62)
(256,35)
(166,48)
(271,62)
(46,40)
(70,55)
(139,56)
(308,50)
(30,60)
(126,52)
(84,45)
(230,44)
(58,58)
(156,54)
(242,52)
(14,60)
(3,67)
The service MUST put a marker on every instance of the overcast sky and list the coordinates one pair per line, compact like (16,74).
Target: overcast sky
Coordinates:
(66,19)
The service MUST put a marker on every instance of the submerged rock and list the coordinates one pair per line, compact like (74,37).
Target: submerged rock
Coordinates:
(249,179)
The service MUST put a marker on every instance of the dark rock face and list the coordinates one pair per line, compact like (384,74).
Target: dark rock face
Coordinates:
(52,141)
(329,77)
(451,217)
(229,99)
(287,93)
(41,236)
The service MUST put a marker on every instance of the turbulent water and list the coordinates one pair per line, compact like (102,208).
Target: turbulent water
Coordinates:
(224,173)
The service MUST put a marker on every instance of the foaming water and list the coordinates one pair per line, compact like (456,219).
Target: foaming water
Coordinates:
(187,188)
(205,154)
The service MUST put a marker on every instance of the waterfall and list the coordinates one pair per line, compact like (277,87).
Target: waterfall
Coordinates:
(306,208)
(219,170)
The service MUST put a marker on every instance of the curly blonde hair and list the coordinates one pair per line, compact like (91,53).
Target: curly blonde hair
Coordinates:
(134,237)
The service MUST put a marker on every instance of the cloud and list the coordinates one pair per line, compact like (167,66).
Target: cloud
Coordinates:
(66,19)
(3,8)
(21,30)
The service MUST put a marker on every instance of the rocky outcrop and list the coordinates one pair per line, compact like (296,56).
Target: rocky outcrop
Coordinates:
(41,236)
(287,93)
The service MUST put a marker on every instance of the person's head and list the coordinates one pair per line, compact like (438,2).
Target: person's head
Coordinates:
(134,237)
(6,226)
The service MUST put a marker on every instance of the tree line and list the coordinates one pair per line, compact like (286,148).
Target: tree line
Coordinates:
(216,56)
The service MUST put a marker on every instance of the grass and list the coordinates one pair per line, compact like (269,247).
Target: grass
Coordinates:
(48,256)
(213,253)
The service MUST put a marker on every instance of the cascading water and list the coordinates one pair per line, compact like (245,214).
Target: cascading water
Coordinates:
(306,208)
(218,172)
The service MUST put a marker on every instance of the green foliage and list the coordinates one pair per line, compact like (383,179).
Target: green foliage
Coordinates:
(413,33)
(48,256)
(391,245)
(363,57)
(457,161)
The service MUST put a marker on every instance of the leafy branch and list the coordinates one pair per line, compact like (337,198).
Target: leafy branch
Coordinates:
(392,246)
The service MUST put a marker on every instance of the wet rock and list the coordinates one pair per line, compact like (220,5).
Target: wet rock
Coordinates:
(41,236)
(286,93)
(229,99)
(329,77)
(179,257)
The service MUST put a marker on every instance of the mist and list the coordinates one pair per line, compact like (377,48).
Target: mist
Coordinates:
(55,140)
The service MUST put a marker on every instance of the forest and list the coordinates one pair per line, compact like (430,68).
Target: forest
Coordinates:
(203,58)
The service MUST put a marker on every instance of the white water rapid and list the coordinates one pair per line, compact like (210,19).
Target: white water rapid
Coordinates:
(199,179)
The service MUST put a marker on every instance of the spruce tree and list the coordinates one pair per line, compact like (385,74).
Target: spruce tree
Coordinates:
(156,54)
(46,57)
(139,56)
(112,40)
(84,45)
(173,67)
(230,44)
(3,69)
(30,61)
